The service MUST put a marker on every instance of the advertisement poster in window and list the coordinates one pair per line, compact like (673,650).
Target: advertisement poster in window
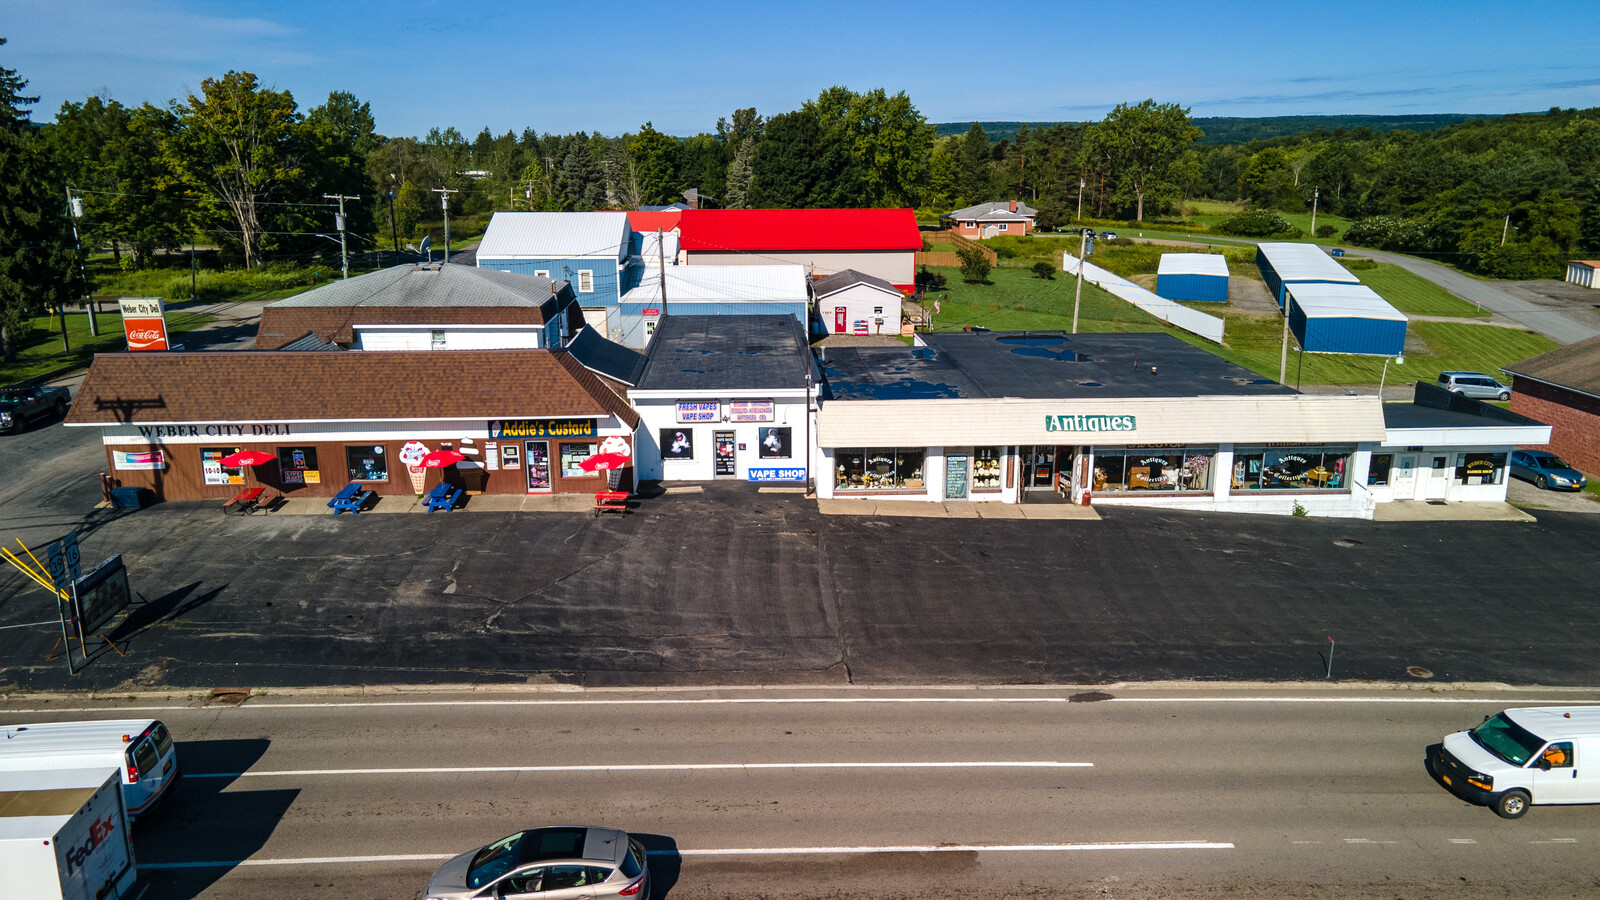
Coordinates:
(775,442)
(135,460)
(538,467)
(572,456)
(214,471)
(367,462)
(677,443)
(298,465)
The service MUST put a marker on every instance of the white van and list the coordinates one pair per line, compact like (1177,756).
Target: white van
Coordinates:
(1521,757)
(140,749)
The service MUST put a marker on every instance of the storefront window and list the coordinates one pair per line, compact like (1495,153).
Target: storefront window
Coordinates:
(572,457)
(1291,469)
(986,469)
(1378,469)
(879,469)
(298,465)
(677,443)
(366,462)
(214,471)
(775,443)
(1165,470)
(1480,468)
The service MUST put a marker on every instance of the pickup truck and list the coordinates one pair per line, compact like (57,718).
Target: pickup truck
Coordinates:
(18,406)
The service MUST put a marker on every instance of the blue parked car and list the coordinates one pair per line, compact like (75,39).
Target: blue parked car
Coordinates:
(1546,470)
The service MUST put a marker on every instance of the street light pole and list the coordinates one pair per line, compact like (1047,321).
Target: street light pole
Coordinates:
(1315,192)
(1077,295)
(75,210)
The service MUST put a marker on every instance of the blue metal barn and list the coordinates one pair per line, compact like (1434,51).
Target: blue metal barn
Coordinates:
(1345,318)
(1282,264)
(1193,276)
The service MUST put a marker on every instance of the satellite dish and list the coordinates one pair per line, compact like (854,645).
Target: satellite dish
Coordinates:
(426,249)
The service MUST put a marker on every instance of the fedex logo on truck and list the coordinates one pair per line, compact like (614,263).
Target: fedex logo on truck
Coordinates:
(98,832)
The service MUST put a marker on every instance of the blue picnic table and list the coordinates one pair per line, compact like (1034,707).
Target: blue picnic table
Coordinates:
(350,498)
(443,496)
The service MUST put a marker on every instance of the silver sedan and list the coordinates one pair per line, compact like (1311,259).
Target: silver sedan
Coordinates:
(560,863)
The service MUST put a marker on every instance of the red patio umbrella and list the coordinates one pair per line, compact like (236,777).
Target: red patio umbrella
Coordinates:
(438,459)
(246,459)
(608,463)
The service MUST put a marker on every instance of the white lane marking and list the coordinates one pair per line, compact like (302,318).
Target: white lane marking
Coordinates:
(778,701)
(653,767)
(1365,841)
(1556,841)
(1462,841)
(735,851)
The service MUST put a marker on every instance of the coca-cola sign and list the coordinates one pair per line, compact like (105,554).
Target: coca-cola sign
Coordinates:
(146,334)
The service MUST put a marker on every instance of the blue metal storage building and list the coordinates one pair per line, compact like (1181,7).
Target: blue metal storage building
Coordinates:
(1193,276)
(1283,263)
(1345,318)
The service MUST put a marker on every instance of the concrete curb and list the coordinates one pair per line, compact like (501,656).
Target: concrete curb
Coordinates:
(1215,687)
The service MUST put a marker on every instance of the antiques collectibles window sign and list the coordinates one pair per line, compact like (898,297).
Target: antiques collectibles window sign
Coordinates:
(214,471)
(366,462)
(298,465)
(542,428)
(775,443)
(699,411)
(677,443)
(1090,423)
(750,411)
(132,460)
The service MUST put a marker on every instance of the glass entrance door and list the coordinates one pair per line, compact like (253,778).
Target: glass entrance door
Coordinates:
(1039,468)
(727,465)
(538,467)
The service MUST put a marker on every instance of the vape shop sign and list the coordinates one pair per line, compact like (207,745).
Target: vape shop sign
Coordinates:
(144,323)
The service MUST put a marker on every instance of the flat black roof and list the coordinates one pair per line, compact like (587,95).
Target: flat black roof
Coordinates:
(708,353)
(1433,406)
(606,357)
(1039,365)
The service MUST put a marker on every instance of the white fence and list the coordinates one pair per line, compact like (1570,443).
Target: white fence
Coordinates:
(1176,314)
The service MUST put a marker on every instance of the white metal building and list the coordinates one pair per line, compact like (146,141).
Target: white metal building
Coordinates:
(852,302)
(1581,272)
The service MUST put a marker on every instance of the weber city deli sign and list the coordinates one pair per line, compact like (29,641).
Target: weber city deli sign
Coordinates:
(1090,423)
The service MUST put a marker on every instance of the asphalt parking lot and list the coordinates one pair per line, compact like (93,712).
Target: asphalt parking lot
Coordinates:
(735,586)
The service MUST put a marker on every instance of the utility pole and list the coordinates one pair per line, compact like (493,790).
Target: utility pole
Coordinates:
(1081,184)
(661,264)
(444,201)
(1077,296)
(75,210)
(1283,356)
(344,255)
(1505,228)
(1315,193)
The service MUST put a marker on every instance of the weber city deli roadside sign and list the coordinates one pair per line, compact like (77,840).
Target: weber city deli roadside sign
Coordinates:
(144,322)
(1083,423)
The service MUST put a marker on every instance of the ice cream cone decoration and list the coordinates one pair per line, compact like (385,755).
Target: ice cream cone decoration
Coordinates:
(411,455)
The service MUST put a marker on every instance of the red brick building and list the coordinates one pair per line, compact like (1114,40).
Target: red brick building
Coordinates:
(1002,217)
(1562,388)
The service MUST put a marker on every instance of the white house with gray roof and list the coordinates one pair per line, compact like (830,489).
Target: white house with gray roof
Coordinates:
(852,302)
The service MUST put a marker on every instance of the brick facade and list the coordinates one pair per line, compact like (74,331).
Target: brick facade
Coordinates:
(1574,420)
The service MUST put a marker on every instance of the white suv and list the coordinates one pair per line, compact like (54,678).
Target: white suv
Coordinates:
(1475,385)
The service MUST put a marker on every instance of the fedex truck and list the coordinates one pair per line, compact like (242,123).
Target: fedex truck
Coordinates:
(64,836)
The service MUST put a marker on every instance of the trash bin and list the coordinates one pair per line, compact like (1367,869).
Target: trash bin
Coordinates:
(129,497)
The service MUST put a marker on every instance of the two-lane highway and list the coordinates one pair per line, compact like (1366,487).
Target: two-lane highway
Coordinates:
(1202,791)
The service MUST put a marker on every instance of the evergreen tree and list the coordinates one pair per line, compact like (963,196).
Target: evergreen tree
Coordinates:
(737,192)
(38,261)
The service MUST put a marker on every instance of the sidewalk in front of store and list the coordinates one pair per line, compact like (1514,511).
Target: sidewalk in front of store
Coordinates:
(1441,511)
(964,510)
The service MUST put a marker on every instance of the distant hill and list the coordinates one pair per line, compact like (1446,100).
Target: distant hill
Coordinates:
(1231,130)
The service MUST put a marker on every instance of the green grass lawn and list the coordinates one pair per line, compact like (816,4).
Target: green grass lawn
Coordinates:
(1015,300)
(40,351)
(1411,293)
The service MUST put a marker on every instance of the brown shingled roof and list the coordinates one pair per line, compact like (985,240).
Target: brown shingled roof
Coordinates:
(235,386)
(1575,366)
(282,324)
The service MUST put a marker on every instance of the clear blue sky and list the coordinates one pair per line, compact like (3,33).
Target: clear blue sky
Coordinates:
(572,65)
